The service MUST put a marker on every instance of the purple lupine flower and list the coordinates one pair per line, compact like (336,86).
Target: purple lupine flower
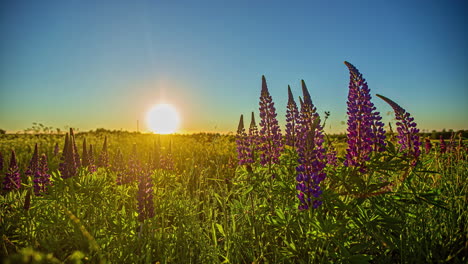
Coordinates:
(292,118)
(103,160)
(428,145)
(270,139)
(331,157)
(365,129)
(12,180)
(408,137)
(33,164)
(442,144)
(145,197)
(85,157)
(91,164)
(67,167)
(119,168)
(75,149)
(56,149)
(252,141)
(41,177)
(241,142)
(312,158)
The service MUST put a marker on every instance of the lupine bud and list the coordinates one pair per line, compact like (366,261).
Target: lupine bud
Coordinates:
(442,144)
(1,161)
(252,141)
(56,149)
(270,139)
(119,168)
(408,137)
(365,130)
(428,145)
(85,157)
(91,165)
(292,118)
(33,164)
(67,167)
(12,180)
(75,149)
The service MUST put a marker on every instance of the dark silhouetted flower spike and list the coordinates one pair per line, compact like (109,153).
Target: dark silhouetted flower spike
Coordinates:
(84,156)
(91,165)
(252,141)
(292,120)
(103,160)
(41,177)
(33,164)
(242,142)
(145,197)
(75,149)
(67,167)
(56,149)
(312,157)
(270,139)
(428,145)
(408,137)
(365,129)
(442,145)
(12,180)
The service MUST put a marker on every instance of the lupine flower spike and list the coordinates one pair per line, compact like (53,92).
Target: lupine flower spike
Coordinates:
(33,164)
(85,157)
(252,141)
(56,149)
(145,198)
(67,167)
(12,180)
(1,161)
(270,139)
(365,130)
(41,177)
(312,159)
(292,118)
(75,149)
(92,165)
(157,154)
(103,160)
(408,137)
(241,142)
(442,145)
(427,145)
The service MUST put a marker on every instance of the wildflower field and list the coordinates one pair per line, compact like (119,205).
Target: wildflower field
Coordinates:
(268,194)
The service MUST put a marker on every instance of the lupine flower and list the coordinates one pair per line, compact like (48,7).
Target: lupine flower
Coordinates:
(242,142)
(443,145)
(331,157)
(408,137)
(270,139)
(33,164)
(103,160)
(365,130)
(119,168)
(41,177)
(67,167)
(252,141)
(91,164)
(75,149)
(12,180)
(56,149)
(428,145)
(134,168)
(167,162)
(312,159)
(292,118)
(85,158)
(145,197)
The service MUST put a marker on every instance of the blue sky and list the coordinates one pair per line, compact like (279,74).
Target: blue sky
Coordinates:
(92,64)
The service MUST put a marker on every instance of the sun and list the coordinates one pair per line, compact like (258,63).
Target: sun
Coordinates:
(163,119)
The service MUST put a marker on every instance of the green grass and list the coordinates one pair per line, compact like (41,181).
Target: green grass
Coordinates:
(209,210)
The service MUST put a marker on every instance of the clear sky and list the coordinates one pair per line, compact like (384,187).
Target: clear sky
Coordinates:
(93,64)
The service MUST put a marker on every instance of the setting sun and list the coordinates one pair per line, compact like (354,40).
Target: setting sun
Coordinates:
(163,119)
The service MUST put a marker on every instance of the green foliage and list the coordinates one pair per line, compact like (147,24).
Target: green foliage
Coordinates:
(209,210)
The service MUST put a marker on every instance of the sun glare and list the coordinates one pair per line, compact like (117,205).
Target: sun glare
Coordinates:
(163,119)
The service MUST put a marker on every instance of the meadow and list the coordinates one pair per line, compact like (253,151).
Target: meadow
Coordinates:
(255,197)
